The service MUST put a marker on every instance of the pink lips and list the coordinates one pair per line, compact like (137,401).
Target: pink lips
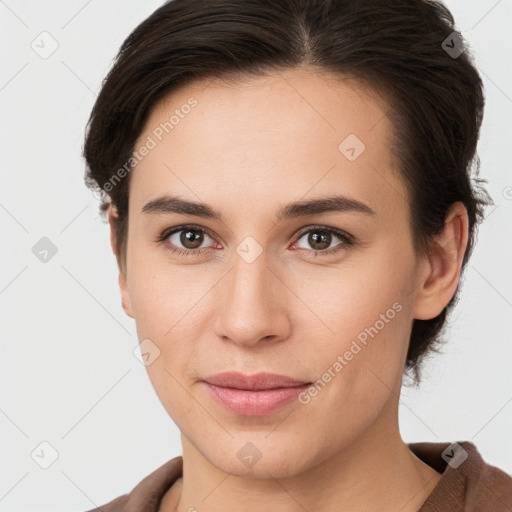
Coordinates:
(253,395)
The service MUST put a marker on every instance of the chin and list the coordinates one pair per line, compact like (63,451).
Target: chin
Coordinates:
(260,457)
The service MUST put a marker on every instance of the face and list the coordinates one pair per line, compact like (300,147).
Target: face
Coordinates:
(322,294)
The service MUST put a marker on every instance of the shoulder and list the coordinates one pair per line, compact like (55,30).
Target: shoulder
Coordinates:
(492,488)
(116,505)
(467,482)
(146,495)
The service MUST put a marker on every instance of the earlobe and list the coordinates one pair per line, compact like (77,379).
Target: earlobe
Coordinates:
(443,266)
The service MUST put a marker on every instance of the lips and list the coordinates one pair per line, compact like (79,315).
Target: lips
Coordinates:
(256,382)
(253,395)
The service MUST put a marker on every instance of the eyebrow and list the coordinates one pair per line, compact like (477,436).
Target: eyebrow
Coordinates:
(171,204)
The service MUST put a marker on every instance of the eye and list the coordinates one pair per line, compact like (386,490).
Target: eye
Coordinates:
(185,240)
(321,238)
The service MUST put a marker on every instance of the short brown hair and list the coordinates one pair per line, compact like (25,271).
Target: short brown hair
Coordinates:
(405,50)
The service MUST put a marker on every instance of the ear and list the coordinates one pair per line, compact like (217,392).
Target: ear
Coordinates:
(123,285)
(440,271)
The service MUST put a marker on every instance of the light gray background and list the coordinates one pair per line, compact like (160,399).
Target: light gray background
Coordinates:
(68,375)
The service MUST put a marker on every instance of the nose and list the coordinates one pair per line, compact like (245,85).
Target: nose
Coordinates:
(253,304)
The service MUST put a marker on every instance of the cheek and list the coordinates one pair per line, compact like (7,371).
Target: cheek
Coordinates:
(169,308)
(358,297)
(366,310)
(360,369)
(160,293)
(165,314)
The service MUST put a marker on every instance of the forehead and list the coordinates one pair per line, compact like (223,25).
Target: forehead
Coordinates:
(291,132)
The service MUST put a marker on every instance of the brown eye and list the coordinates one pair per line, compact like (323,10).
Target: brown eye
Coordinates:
(319,240)
(186,240)
(191,238)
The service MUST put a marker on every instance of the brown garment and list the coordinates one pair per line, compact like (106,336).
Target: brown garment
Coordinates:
(467,484)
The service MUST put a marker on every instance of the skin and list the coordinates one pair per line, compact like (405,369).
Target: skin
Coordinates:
(247,149)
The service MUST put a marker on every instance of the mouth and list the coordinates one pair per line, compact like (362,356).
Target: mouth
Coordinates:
(255,382)
(253,395)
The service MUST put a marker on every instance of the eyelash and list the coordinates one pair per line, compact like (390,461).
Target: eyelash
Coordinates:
(347,239)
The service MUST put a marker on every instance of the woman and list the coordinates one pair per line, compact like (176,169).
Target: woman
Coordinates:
(291,207)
